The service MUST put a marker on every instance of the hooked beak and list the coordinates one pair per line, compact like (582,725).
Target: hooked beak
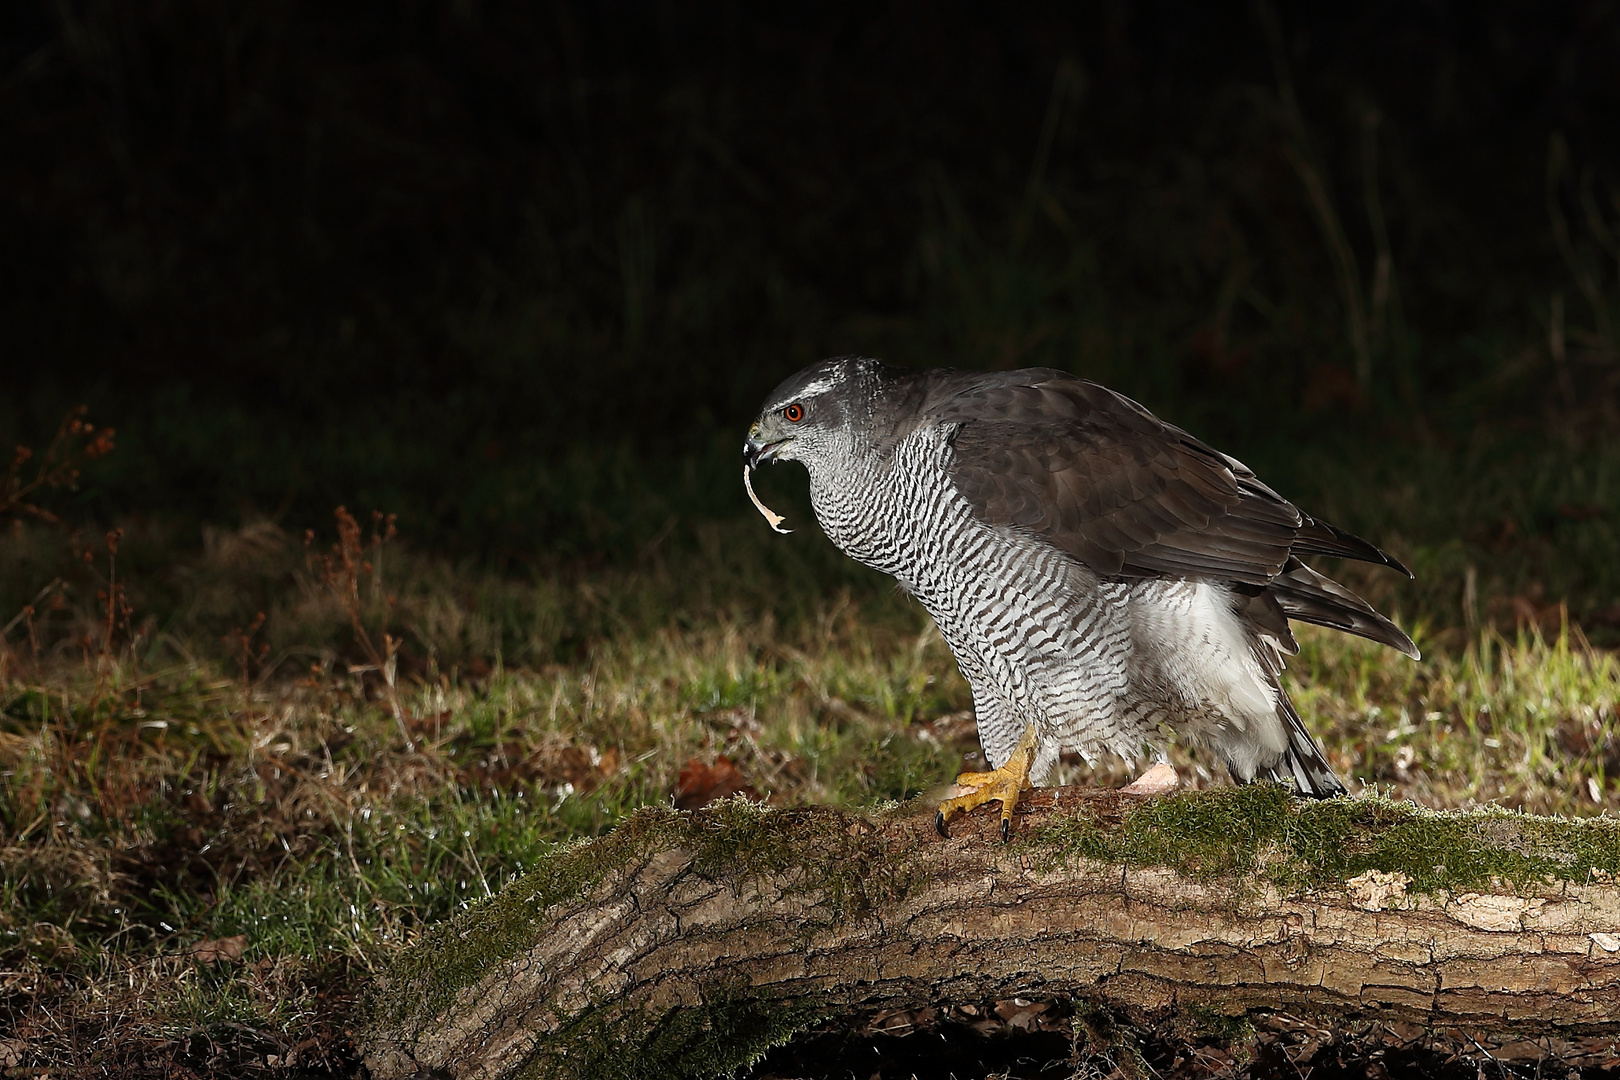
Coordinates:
(756,451)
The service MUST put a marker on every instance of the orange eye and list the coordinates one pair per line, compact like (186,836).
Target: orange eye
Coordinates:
(793,413)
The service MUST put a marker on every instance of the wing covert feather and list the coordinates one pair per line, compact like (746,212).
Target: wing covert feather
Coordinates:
(1101,478)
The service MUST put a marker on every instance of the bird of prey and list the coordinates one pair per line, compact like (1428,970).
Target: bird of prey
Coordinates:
(1101,576)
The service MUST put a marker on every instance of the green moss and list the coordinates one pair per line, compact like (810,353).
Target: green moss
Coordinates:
(1260,830)
(733,1027)
(733,842)
(1236,1033)
(456,953)
(741,842)
(1199,834)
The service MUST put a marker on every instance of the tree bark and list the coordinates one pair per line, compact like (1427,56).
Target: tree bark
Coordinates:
(689,942)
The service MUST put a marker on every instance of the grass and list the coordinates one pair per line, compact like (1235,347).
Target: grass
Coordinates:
(214,825)
(537,352)
(241,768)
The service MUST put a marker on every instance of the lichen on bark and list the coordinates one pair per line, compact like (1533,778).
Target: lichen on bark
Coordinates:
(694,941)
(827,861)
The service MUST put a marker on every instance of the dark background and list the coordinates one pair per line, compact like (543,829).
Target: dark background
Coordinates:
(514,269)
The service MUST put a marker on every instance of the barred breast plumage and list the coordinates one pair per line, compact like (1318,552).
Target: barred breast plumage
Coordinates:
(1097,573)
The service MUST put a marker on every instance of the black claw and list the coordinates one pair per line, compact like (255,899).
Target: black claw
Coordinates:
(939,824)
(1006,830)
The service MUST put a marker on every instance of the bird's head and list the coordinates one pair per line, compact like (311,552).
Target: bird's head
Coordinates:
(809,414)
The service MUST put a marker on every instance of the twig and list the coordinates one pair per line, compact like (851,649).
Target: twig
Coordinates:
(29,608)
(340,572)
(76,442)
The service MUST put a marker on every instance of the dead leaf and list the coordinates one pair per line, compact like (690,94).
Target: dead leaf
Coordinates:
(1021,1014)
(11,1052)
(228,949)
(701,784)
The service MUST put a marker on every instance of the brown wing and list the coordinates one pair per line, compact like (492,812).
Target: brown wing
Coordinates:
(1100,477)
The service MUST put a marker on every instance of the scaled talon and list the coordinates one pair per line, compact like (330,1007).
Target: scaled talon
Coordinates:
(1005,784)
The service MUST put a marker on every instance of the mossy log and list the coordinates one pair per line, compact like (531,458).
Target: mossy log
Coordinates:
(685,943)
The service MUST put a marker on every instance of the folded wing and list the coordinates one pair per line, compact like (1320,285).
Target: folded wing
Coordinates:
(1098,476)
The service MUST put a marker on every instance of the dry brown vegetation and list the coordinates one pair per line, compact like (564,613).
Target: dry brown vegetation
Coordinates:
(520,272)
(232,786)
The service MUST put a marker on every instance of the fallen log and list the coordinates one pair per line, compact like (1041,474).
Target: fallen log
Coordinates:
(685,943)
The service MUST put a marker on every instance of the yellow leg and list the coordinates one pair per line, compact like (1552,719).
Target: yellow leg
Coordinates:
(1004,784)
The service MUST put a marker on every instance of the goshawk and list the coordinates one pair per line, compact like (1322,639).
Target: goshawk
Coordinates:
(1101,576)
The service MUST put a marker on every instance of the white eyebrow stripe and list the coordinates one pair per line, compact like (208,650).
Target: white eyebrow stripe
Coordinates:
(808,391)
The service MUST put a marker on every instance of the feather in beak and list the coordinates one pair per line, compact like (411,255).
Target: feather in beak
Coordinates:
(771,516)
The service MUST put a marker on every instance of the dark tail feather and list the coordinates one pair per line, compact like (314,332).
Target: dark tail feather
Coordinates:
(1309,597)
(1304,765)
(1319,538)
